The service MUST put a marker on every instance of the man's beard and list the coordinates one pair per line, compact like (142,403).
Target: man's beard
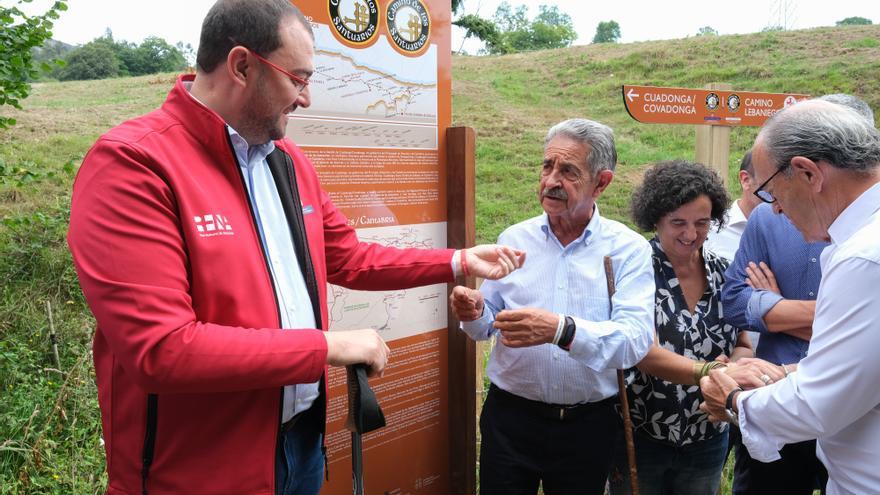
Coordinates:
(260,120)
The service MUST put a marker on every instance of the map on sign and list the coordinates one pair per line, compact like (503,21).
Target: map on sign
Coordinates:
(394,314)
(373,98)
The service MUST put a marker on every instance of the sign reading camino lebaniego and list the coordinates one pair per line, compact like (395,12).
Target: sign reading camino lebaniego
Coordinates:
(657,105)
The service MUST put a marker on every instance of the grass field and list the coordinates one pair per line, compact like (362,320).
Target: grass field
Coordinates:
(49,424)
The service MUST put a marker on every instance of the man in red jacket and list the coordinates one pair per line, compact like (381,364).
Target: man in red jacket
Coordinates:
(203,244)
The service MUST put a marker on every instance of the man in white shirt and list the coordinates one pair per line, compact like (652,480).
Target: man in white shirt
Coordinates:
(819,163)
(549,416)
(725,242)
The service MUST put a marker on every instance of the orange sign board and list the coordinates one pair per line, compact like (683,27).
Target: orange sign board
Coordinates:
(657,105)
(376,133)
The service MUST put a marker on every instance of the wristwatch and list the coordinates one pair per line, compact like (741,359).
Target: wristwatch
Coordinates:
(732,417)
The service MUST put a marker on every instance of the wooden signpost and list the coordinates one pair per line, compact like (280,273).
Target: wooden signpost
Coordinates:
(714,109)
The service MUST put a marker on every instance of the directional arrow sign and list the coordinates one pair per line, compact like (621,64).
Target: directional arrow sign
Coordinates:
(632,94)
(656,105)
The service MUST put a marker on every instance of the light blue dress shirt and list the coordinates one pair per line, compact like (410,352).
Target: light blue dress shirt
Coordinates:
(290,286)
(571,280)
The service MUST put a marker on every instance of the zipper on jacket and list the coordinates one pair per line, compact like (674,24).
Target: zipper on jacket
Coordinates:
(149,439)
(274,293)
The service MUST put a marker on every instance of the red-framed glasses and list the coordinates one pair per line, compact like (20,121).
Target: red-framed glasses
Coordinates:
(299,82)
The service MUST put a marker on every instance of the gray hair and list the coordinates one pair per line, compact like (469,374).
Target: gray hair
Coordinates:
(854,102)
(822,131)
(598,137)
(746,164)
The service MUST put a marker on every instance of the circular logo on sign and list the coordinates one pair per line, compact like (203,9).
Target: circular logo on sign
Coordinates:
(789,101)
(355,21)
(733,103)
(712,101)
(409,24)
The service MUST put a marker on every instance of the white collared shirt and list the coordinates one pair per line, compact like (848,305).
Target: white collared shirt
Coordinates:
(835,394)
(726,242)
(571,280)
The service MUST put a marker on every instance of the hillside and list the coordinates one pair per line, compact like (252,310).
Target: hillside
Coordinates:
(513,100)
(49,424)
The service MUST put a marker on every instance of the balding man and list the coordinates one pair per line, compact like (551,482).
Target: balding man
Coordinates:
(819,163)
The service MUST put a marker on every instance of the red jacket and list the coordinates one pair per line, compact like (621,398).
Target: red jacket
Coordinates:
(170,262)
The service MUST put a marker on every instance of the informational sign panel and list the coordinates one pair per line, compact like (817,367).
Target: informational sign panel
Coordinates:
(656,105)
(375,130)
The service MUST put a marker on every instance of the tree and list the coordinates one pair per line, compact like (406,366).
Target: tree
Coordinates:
(511,31)
(607,32)
(154,55)
(483,29)
(855,21)
(551,28)
(707,31)
(94,60)
(105,57)
(19,34)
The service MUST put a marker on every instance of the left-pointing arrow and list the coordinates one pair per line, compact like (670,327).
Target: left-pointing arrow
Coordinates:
(630,94)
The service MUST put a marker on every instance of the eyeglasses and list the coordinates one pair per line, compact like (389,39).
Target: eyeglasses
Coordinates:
(299,82)
(763,195)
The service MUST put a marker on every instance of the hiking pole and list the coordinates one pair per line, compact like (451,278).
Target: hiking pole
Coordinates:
(364,416)
(624,400)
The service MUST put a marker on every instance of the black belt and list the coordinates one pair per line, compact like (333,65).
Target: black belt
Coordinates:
(560,412)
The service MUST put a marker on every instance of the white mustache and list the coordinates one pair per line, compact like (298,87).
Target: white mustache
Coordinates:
(556,193)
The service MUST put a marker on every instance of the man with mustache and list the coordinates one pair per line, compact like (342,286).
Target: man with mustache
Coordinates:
(549,416)
(203,243)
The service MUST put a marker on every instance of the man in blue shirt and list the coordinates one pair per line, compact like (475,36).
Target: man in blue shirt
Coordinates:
(549,416)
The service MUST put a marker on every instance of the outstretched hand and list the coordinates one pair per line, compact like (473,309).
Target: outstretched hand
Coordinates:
(492,261)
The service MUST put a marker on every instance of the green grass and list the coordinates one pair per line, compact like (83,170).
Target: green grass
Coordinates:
(49,420)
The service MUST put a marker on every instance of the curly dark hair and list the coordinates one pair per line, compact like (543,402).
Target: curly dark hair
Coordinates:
(671,184)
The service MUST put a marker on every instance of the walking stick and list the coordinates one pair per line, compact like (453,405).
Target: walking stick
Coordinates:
(364,416)
(624,400)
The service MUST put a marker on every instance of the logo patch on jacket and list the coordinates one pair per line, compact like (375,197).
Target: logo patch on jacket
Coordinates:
(212,225)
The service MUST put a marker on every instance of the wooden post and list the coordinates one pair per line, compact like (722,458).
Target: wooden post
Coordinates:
(713,142)
(461,233)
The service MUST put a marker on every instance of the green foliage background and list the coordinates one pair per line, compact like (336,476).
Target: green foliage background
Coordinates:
(49,421)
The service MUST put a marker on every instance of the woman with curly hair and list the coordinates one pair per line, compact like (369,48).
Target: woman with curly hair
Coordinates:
(677,449)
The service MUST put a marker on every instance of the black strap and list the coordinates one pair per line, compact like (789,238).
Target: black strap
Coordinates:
(284,175)
(281,166)
(149,439)
(364,413)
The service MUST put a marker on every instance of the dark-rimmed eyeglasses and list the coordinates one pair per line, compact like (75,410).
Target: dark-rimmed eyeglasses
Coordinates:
(297,81)
(763,195)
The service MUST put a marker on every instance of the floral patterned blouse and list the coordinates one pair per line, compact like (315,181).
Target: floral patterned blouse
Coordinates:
(666,411)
